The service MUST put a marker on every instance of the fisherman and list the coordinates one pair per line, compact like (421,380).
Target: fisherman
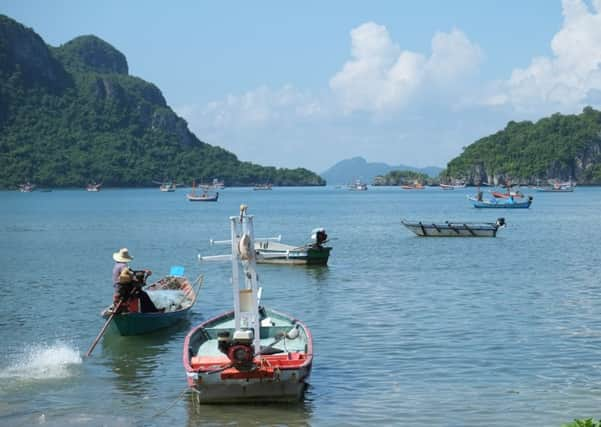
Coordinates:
(128,284)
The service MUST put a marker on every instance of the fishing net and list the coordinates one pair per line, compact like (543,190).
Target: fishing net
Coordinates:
(168,299)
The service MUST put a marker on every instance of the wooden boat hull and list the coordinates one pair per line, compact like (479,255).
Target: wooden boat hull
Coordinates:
(555,190)
(299,256)
(451,229)
(501,203)
(203,199)
(280,377)
(500,195)
(135,323)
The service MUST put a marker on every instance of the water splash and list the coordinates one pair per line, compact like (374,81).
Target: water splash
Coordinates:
(40,362)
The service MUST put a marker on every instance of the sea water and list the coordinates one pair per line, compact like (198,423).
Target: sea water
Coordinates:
(407,330)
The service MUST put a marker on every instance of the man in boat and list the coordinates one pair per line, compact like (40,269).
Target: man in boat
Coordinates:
(128,283)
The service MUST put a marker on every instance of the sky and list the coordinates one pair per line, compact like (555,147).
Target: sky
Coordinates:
(307,84)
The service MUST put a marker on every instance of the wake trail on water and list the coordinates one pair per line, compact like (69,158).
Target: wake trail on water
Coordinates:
(41,362)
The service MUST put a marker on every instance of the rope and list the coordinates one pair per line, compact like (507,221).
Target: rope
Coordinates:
(171,405)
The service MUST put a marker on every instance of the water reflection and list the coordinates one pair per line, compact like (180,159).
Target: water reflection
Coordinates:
(136,359)
(297,413)
(319,273)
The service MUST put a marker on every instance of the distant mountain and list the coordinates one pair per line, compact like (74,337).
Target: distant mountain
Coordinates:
(349,170)
(72,114)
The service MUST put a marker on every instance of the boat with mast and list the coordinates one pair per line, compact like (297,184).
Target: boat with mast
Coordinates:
(251,354)
(205,196)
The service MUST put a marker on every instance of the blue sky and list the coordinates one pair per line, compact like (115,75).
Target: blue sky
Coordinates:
(311,83)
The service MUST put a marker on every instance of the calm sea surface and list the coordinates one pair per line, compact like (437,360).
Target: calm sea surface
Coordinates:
(407,330)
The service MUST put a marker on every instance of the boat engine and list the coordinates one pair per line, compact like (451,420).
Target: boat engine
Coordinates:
(239,349)
(319,236)
(500,222)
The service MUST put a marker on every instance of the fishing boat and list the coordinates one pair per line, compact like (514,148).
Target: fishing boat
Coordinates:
(553,189)
(358,186)
(251,354)
(508,203)
(507,194)
(173,296)
(93,187)
(416,186)
(167,187)
(204,196)
(27,187)
(314,252)
(451,186)
(217,185)
(262,187)
(455,228)
(557,186)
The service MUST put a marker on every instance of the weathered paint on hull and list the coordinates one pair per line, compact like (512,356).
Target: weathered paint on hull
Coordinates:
(442,231)
(310,256)
(143,323)
(502,205)
(289,387)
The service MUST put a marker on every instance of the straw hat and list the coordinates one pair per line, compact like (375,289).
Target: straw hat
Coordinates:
(122,256)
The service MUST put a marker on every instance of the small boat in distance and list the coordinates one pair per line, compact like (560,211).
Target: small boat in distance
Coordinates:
(557,187)
(174,296)
(251,354)
(358,186)
(93,187)
(451,186)
(217,185)
(27,187)
(205,196)
(508,203)
(262,187)
(314,253)
(455,229)
(507,194)
(415,186)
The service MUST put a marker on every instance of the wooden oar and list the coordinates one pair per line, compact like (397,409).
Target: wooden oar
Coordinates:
(103,330)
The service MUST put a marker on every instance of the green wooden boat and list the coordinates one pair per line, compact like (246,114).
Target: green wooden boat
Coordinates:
(174,296)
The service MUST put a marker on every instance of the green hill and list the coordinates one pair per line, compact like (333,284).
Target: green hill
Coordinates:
(72,114)
(557,147)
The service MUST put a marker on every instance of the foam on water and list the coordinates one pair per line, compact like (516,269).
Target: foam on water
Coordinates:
(38,362)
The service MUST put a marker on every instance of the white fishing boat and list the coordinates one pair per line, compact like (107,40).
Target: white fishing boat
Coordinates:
(358,186)
(93,187)
(314,252)
(251,354)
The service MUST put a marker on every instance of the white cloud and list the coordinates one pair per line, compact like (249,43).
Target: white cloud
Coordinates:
(562,82)
(381,77)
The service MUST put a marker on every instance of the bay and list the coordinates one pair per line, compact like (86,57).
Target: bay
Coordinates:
(407,330)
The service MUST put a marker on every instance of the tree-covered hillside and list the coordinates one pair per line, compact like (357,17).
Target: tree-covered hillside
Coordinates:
(402,177)
(557,147)
(72,114)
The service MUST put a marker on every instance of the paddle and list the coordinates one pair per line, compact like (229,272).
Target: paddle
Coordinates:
(106,325)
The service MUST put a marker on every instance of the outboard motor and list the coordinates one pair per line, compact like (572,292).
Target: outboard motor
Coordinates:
(501,222)
(239,349)
(319,236)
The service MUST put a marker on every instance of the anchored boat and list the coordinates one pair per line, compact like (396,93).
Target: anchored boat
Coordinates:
(270,252)
(455,229)
(205,196)
(502,203)
(173,296)
(251,354)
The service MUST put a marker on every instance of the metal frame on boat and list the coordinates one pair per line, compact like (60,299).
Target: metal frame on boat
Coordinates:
(251,354)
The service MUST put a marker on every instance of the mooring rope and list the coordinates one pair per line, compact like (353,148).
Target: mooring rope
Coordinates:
(171,405)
